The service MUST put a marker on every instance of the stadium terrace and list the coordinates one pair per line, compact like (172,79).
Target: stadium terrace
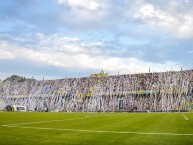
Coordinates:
(155,92)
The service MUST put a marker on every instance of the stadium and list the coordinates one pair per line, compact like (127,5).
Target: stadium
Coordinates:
(155,92)
(132,103)
(96,72)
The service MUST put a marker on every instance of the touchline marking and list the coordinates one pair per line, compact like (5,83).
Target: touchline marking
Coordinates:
(185,117)
(102,131)
(36,122)
(44,121)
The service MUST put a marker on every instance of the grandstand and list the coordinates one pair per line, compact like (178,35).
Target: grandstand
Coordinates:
(155,92)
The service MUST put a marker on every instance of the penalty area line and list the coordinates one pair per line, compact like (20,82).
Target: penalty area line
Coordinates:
(101,131)
(185,117)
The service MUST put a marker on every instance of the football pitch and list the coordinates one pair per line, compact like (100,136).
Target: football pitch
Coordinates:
(30,128)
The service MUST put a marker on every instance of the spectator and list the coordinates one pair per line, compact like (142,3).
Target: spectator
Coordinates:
(163,91)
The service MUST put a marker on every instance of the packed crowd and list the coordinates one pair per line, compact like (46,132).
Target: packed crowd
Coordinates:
(164,91)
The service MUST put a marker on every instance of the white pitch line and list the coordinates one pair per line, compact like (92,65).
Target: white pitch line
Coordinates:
(44,121)
(185,117)
(49,121)
(102,131)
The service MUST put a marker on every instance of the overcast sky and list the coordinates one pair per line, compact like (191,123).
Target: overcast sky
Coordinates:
(72,38)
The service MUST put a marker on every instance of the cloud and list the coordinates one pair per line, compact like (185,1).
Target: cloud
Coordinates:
(85,15)
(5,54)
(179,25)
(60,53)
(112,35)
(86,4)
(69,39)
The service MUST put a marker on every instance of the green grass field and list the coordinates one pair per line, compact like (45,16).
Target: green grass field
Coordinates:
(96,128)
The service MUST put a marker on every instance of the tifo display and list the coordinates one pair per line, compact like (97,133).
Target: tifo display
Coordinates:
(156,92)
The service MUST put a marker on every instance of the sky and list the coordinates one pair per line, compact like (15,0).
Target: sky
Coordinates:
(54,39)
